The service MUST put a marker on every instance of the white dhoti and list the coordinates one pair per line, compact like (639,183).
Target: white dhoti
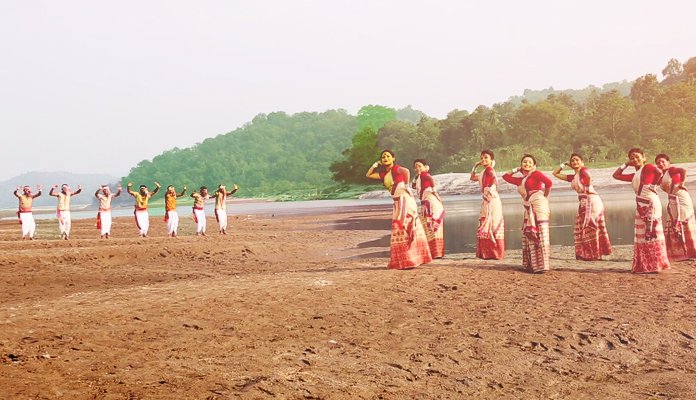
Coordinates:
(28,224)
(64,222)
(199,217)
(172,222)
(104,222)
(142,220)
(221,216)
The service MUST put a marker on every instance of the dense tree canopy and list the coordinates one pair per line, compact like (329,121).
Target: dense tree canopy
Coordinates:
(599,123)
(275,153)
(280,154)
(365,149)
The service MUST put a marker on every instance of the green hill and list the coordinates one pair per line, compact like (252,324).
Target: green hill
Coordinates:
(273,154)
(296,156)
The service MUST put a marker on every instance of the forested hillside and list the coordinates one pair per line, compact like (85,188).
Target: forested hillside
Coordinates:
(658,116)
(297,155)
(274,153)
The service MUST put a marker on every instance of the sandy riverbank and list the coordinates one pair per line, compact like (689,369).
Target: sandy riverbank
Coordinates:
(292,308)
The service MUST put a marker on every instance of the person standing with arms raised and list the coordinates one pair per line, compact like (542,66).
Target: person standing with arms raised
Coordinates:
(221,206)
(171,216)
(199,199)
(63,211)
(26,217)
(104,195)
(142,197)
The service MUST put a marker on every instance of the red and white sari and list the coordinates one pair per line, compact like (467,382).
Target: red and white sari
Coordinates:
(409,245)
(536,247)
(432,214)
(649,249)
(680,234)
(591,236)
(491,230)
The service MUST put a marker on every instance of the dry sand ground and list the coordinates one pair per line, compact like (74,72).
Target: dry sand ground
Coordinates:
(283,308)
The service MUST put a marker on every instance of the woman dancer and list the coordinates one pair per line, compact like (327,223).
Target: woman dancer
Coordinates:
(680,234)
(432,214)
(409,246)
(591,237)
(491,229)
(649,249)
(535,231)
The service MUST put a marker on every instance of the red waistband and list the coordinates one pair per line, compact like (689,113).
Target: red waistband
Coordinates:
(197,208)
(140,209)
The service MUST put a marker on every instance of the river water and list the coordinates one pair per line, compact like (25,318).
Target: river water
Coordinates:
(462,213)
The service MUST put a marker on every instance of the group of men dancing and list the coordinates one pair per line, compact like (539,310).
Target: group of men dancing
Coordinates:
(142,218)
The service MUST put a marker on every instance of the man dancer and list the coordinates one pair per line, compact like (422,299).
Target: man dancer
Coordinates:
(63,211)
(26,218)
(104,195)
(221,206)
(171,217)
(142,218)
(199,199)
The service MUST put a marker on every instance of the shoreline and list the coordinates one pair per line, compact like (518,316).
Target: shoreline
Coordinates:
(304,306)
(260,206)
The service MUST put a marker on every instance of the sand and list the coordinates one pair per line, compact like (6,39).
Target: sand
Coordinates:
(291,307)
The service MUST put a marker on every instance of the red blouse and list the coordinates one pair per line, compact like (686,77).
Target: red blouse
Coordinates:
(584,177)
(427,181)
(396,176)
(649,175)
(487,177)
(535,181)
(677,174)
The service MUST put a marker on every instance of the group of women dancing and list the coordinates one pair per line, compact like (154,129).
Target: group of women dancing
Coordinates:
(418,237)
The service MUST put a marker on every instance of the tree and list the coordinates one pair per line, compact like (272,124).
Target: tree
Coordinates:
(611,114)
(690,71)
(358,158)
(645,90)
(364,150)
(544,125)
(374,117)
(487,129)
(455,132)
(673,69)
(408,114)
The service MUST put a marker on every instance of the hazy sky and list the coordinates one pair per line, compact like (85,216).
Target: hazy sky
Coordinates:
(97,86)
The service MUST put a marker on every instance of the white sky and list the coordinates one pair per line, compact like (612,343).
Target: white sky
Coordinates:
(97,86)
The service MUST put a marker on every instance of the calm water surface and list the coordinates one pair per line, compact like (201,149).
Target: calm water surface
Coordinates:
(461,221)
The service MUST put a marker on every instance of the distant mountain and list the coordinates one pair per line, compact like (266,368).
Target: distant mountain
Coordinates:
(89,182)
